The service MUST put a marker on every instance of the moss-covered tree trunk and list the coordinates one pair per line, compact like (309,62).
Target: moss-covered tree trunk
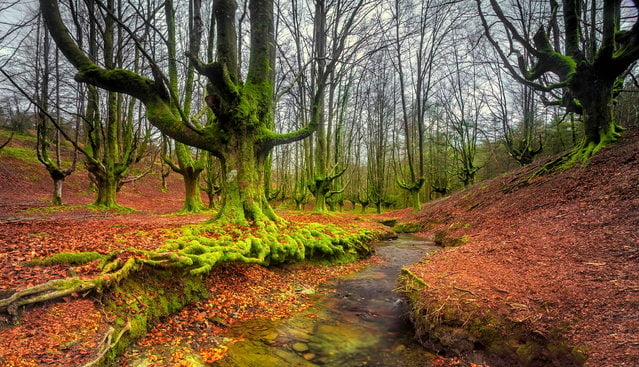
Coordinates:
(106,183)
(239,131)
(364,205)
(597,112)
(583,74)
(192,198)
(190,170)
(378,207)
(188,167)
(242,182)
(415,199)
(57,190)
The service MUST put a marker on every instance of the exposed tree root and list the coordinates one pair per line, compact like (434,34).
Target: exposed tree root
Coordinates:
(107,344)
(44,292)
(581,154)
(197,251)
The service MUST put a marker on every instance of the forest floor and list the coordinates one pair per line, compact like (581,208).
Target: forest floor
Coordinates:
(67,333)
(557,253)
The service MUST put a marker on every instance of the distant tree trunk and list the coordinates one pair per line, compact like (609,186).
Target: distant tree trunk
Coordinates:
(186,166)
(57,191)
(53,166)
(192,198)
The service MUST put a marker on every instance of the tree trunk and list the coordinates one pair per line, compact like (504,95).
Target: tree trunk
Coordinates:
(600,129)
(107,188)
(599,122)
(320,196)
(244,198)
(331,205)
(57,191)
(415,201)
(192,198)
(364,206)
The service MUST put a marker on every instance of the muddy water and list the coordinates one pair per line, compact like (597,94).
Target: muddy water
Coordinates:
(361,323)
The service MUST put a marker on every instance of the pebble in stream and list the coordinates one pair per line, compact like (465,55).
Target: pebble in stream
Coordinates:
(361,324)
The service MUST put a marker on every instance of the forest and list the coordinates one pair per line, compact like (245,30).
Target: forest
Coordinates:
(189,183)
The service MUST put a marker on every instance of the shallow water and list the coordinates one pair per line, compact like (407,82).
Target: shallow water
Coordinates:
(361,323)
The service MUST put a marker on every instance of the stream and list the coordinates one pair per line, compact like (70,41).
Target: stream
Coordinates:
(361,323)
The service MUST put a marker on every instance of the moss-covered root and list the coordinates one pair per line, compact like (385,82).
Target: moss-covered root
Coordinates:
(59,288)
(198,251)
(69,258)
(582,153)
(461,327)
(44,292)
(138,302)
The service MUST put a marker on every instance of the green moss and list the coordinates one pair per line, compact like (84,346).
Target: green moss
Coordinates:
(457,225)
(443,238)
(144,298)
(117,208)
(580,352)
(152,284)
(389,222)
(528,352)
(408,227)
(6,133)
(69,258)
(23,154)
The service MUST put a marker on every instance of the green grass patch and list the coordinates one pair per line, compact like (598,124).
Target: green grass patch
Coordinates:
(115,208)
(5,134)
(22,154)
(51,209)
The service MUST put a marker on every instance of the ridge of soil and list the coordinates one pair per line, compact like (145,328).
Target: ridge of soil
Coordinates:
(558,252)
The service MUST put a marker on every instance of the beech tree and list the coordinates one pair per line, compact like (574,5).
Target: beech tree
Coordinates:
(430,26)
(581,52)
(342,18)
(463,101)
(520,139)
(188,167)
(240,131)
(115,140)
(53,164)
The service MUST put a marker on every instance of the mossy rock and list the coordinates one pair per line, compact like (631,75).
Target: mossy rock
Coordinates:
(444,239)
(407,227)
(388,222)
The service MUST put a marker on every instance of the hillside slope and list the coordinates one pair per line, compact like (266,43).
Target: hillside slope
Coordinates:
(26,184)
(559,254)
